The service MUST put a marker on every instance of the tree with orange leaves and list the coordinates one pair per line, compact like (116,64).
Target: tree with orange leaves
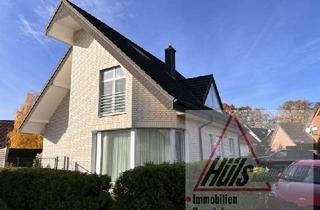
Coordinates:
(297,111)
(24,140)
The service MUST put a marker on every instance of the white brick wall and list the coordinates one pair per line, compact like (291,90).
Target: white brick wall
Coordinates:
(148,111)
(193,143)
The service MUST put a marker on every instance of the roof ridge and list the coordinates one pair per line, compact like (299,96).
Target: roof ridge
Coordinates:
(201,76)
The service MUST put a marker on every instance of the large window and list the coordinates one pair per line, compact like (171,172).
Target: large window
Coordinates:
(120,150)
(211,100)
(113,91)
(152,146)
(115,152)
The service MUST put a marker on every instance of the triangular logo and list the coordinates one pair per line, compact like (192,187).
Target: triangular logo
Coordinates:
(205,173)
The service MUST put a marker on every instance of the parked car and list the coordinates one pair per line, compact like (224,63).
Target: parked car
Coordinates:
(298,187)
(284,158)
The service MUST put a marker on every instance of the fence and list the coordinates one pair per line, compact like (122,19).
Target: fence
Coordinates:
(59,163)
(3,157)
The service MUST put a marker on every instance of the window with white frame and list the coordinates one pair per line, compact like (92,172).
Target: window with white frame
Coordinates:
(113,91)
(213,140)
(231,146)
(119,150)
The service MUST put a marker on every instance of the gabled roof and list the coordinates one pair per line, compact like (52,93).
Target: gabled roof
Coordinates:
(69,18)
(296,132)
(5,127)
(181,88)
(315,112)
(199,86)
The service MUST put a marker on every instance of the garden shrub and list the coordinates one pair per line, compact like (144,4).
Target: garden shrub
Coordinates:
(39,189)
(151,187)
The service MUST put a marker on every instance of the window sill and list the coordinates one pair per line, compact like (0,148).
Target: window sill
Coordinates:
(111,114)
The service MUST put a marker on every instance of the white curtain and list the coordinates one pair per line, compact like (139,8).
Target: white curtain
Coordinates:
(180,145)
(152,145)
(115,153)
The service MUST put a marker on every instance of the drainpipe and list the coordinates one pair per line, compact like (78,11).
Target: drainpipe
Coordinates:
(200,139)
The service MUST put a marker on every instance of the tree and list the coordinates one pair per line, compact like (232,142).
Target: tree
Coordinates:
(253,117)
(294,111)
(24,140)
(228,107)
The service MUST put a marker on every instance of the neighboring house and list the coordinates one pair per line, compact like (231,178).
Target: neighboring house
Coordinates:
(263,138)
(5,127)
(110,105)
(262,135)
(259,138)
(289,135)
(313,124)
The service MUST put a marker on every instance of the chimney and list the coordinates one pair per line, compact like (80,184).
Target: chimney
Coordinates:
(170,63)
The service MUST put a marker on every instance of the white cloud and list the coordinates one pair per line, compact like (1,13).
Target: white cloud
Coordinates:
(33,30)
(106,10)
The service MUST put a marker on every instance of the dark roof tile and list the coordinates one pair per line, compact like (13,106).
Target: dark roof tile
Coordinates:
(296,131)
(189,92)
(5,127)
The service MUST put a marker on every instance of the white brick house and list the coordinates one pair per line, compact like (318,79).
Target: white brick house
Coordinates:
(110,105)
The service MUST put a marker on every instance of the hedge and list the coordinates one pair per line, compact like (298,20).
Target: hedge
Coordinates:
(39,189)
(151,187)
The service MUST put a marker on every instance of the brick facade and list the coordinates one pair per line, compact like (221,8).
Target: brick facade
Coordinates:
(315,124)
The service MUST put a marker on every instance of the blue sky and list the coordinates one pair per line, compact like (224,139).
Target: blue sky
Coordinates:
(261,52)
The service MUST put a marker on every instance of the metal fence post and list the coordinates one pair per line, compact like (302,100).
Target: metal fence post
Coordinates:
(56,160)
(64,162)
(67,163)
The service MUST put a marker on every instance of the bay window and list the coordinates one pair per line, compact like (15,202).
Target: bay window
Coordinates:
(115,152)
(152,145)
(119,150)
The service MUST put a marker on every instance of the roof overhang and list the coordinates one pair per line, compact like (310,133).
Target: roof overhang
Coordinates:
(67,20)
(62,26)
(46,104)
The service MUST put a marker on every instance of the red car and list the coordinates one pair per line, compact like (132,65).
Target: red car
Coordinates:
(298,187)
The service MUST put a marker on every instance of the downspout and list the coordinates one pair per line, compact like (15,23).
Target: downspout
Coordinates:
(200,140)
(200,136)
